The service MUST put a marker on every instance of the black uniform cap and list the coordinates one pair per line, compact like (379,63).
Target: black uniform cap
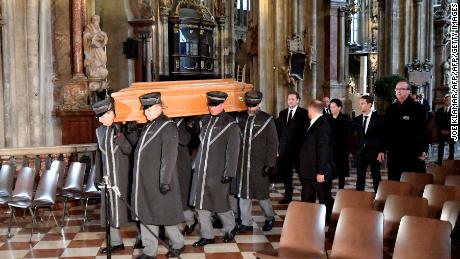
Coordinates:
(147,100)
(216,97)
(253,98)
(101,107)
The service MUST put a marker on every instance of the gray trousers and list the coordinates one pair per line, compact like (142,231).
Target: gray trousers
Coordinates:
(189,217)
(204,217)
(246,210)
(151,243)
(115,237)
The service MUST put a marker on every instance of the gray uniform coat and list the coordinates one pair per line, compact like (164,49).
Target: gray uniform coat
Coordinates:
(259,145)
(217,157)
(184,160)
(112,159)
(155,164)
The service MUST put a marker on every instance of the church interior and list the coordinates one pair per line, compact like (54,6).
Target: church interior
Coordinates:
(59,57)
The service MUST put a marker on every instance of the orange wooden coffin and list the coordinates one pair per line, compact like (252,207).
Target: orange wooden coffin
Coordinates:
(180,98)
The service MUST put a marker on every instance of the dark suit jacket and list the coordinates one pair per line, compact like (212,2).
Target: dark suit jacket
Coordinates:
(316,152)
(442,119)
(373,138)
(291,135)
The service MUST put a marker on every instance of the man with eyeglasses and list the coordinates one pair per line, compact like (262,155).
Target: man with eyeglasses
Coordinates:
(405,134)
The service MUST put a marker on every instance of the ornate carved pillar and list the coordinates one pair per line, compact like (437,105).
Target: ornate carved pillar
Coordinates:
(332,87)
(77,39)
(143,32)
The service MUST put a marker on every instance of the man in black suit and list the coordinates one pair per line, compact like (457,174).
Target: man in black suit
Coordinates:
(443,125)
(291,126)
(369,131)
(326,103)
(316,161)
(405,134)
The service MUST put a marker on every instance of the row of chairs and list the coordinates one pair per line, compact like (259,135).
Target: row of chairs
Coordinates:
(50,185)
(359,234)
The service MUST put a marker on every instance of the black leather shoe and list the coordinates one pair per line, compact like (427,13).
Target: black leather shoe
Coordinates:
(143,256)
(243,228)
(285,201)
(189,229)
(268,225)
(216,223)
(175,252)
(203,242)
(112,248)
(229,236)
(138,244)
(238,221)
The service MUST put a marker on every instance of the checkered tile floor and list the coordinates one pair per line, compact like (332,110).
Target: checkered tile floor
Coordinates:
(79,243)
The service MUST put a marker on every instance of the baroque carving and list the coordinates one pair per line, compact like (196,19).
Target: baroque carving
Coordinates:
(94,42)
(141,9)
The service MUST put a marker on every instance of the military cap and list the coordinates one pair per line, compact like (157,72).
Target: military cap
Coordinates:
(101,107)
(216,97)
(253,98)
(150,99)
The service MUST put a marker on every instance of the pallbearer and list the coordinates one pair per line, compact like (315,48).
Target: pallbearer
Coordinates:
(112,160)
(215,166)
(259,145)
(156,194)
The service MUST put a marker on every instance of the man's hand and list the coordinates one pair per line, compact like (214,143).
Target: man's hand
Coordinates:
(422,157)
(381,157)
(320,178)
(268,170)
(164,188)
(225,179)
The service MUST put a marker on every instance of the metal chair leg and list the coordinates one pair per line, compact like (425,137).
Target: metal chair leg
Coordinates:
(33,211)
(63,214)
(54,218)
(85,215)
(9,221)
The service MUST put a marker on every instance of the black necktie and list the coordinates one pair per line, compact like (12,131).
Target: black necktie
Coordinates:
(290,116)
(364,123)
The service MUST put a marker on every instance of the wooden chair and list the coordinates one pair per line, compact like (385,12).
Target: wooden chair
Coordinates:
(450,211)
(303,232)
(439,173)
(397,207)
(359,235)
(452,166)
(351,199)
(418,181)
(436,196)
(422,238)
(387,187)
(452,180)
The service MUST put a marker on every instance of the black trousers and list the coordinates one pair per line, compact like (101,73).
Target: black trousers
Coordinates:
(365,159)
(399,162)
(441,143)
(288,162)
(312,189)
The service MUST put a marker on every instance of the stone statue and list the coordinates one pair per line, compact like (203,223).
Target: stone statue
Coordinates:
(446,74)
(311,57)
(94,42)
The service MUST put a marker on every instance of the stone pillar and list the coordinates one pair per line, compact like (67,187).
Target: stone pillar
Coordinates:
(2,87)
(363,74)
(32,7)
(392,54)
(314,47)
(221,46)
(266,49)
(333,87)
(381,71)
(341,45)
(280,45)
(418,51)
(163,44)
(77,39)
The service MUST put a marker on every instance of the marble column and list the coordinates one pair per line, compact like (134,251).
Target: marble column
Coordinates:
(314,48)
(221,44)
(77,39)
